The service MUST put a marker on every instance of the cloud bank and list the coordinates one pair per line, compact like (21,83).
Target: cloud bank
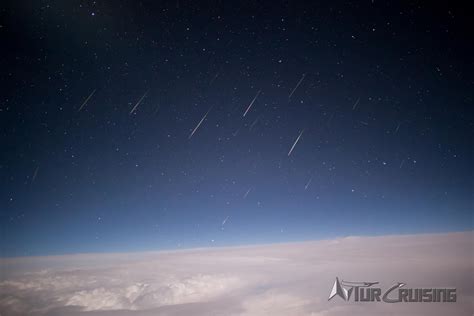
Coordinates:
(280,279)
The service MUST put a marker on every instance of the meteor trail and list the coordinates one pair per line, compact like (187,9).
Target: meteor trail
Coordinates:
(85,101)
(34,174)
(308,183)
(138,103)
(251,103)
(236,132)
(294,144)
(355,104)
(330,118)
(225,220)
(253,124)
(398,127)
(401,164)
(157,108)
(199,124)
(297,85)
(215,77)
(247,193)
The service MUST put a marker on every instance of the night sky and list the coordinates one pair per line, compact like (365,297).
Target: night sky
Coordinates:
(147,125)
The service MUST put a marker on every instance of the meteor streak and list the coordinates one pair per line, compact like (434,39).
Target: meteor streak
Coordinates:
(34,174)
(297,85)
(247,193)
(296,142)
(355,104)
(225,220)
(251,103)
(398,127)
(138,103)
(85,101)
(199,124)
(308,183)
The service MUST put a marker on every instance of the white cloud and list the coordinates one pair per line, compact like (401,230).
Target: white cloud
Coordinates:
(274,302)
(282,279)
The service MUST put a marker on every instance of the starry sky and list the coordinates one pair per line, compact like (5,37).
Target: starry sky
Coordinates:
(147,125)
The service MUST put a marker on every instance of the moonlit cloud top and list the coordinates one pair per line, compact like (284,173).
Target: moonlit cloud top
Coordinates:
(280,279)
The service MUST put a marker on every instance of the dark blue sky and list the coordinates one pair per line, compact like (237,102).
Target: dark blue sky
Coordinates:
(99,101)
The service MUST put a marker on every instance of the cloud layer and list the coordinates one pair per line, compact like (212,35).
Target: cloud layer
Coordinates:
(281,279)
